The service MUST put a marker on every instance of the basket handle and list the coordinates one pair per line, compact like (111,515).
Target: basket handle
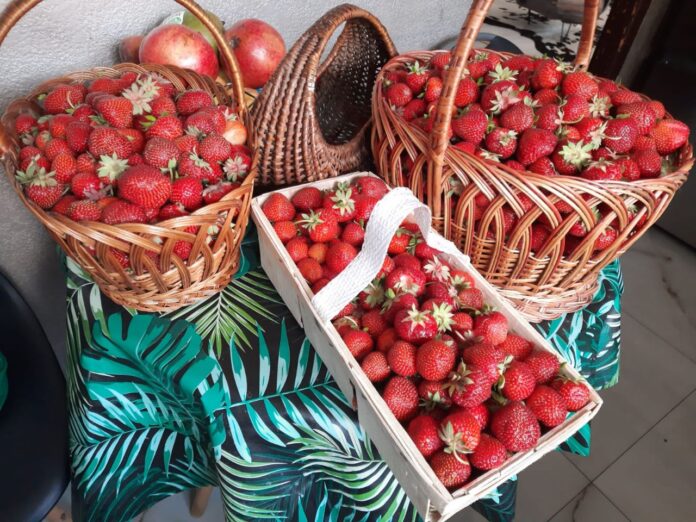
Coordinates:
(386,217)
(445,106)
(16,9)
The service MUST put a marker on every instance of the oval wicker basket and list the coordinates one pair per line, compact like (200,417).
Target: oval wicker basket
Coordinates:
(160,281)
(542,284)
(311,119)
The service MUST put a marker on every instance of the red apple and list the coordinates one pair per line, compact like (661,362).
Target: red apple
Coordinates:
(129,48)
(258,47)
(175,44)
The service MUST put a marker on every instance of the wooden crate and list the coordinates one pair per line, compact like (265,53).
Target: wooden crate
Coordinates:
(432,500)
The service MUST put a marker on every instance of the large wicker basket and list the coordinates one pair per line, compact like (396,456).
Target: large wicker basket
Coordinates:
(542,284)
(159,281)
(311,120)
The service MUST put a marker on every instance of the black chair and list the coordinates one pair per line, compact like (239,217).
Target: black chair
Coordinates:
(34,466)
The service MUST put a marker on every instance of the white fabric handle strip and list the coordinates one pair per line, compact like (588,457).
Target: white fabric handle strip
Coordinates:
(385,220)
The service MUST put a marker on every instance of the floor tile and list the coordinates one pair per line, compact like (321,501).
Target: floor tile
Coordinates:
(589,506)
(176,509)
(656,478)
(546,486)
(660,289)
(654,378)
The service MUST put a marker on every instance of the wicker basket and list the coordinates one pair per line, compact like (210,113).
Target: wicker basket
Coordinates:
(311,120)
(154,284)
(543,284)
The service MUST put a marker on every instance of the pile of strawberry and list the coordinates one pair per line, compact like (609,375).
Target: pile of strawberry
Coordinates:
(469,392)
(129,150)
(541,116)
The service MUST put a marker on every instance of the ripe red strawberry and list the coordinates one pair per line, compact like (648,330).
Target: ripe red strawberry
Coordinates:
(574,108)
(470,126)
(548,406)
(40,186)
(297,247)
(160,152)
(602,170)
(278,207)
(470,299)
(310,269)
(461,432)
(540,235)
(641,113)
(435,360)
(543,166)
(415,326)
(499,96)
(399,242)
(106,85)
(371,186)
(169,127)
(479,412)
(547,74)
(162,105)
(629,168)
(518,347)
(402,358)
(353,234)
(423,430)
(502,142)
(491,327)
(414,109)
(339,255)
(28,153)
(145,186)
(322,225)
(65,167)
(405,280)
(441,60)
(55,147)
(76,136)
(306,199)
(401,397)
(518,118)
(416,76)
(214,148)
(469,385)
(85,185)
(61,207)
(25,124)
(575,394)
(644,143)
(58,124)
(214,193)
(116,110)
(648,162)
(341,202)
(375,366)
(285,230)
(364,205)
(534,144)
(188,192)
(386,340)
(83,113)
(104,141)
(433,89)
(135,137)
(516,427)
(489,454)
(205,121)
(486,357)
(192,165)
(467,92)
(453,471)
(620,134)
(373,323)
(318,251)
(86,163)
(462,323)
(170,211)
(84,210)
(548,117)
(581,84)
(62,98)
(399,94)
(543,364)
(605,239)
(669,135)
(518,381)
(546,96)
(120,211)
(624,96)
(433,394)
(192,101)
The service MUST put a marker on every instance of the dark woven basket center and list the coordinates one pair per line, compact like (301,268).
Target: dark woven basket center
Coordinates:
(344,88)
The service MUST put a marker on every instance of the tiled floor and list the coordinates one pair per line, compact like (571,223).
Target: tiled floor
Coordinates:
(643,462)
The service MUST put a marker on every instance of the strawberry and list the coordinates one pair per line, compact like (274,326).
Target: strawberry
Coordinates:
(543,166)
(600,106)
(499,96)
(58,124)
(452,470)
(186,143)
(641,113)
(470,126)
(462,323)
(416,76)
(547,74)
(116,110)
(620,134)
(214,148)
(433,89)
(399,94)
(364,205)
(441,60)
(518,118)
(192,165)
(106,85)
(574,108)
(278,207)
(169,127)
(648,162)
(41,187)
(61,207)
(548,406)
(491,327)
(502,142)
(371,186)
(414,109)
(602,170)
(170,211)
(193,101)
(310,269)
(55,147)
(160,152)
(516,427)
(322,225)
(548,117)
(470,299)
(110,168)
(84,210)
(341,202)
(480,413)
(479,64)
(423,430)
(104,141)
(339,255)
(65,167)
(644,143)
(162,106)
(486,357)
(518,381)
(518,347)
(318,251)
(85,163)
(467,92)
(401,397)
(579,83)
(145,186)
(42,139)
(591,131)
(214,193)
(121,211)
(188,192)
(83,113)
(306,199)
(546,96)
(575,394)
(433,394)
(489,454)
(435,360)
(669,135)
(135,137)
(62,98)
(297,247)
(402,358)
(386,341)
(285,230)
(373,323)
(353,234)
(406,280)
(415,326)
(85,185)
(399,242)
(628,167)
(469,385)
(76,136)
(534,144)
(605,239)
(461,432)
(25,124)
(624,96)
(543,364)
(205,121)
(375,366)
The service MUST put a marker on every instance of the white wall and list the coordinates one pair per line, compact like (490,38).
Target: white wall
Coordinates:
(60,36)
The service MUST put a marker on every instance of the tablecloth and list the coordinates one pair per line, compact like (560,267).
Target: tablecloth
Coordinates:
(229,392)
